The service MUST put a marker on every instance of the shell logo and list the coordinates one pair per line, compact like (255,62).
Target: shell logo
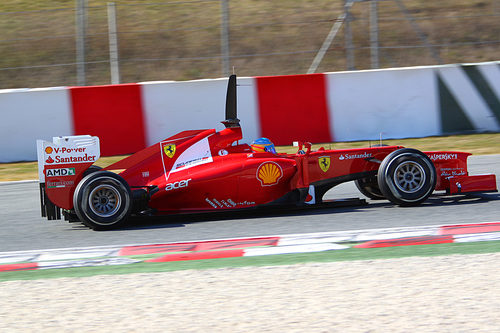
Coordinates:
(269,173)
(48,150)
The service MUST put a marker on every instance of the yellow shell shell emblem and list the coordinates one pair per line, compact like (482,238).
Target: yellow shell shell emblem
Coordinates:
(169,150)
(269,173)
(324,163)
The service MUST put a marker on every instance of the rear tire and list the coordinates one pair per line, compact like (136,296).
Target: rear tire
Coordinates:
(407,177)
(91,169)
(102,200)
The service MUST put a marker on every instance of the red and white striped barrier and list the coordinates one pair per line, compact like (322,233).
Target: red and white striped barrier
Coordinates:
(343,106)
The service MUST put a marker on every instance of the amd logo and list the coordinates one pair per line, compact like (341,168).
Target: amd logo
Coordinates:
(177,185)
(60,172)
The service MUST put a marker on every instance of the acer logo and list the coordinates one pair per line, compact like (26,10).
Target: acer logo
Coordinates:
(177,185)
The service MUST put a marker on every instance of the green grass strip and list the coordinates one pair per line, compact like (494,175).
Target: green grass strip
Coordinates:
(271,260)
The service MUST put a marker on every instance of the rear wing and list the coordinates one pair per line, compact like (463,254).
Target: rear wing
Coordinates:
(61,165)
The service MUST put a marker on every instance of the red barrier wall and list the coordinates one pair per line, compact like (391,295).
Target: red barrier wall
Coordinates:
(113,113)
(293,107)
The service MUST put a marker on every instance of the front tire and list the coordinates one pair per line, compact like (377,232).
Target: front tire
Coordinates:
(407,177)
(369,188)
(102,200)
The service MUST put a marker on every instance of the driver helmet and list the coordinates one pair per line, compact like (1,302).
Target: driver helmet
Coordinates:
(263,145)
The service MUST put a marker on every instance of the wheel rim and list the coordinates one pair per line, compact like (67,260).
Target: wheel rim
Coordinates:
(409,177)
(104,200)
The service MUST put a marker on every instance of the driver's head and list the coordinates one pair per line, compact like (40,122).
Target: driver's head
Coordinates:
(263,145)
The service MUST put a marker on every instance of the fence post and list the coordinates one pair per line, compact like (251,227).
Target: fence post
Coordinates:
(419,32)
(81,26)
(374,34)
(224,37)
(328,41)
(113,44)
(348,37)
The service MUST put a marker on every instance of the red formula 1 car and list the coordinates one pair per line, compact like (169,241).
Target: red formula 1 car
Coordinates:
(205,171)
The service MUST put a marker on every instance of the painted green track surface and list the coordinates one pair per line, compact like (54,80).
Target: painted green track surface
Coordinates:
(350,254)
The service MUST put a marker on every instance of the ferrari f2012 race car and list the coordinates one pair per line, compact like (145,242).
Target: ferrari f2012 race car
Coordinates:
(198,171)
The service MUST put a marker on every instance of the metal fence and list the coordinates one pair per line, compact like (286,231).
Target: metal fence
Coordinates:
(93,42)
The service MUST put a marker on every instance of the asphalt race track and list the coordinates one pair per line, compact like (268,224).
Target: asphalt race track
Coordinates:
(22,228)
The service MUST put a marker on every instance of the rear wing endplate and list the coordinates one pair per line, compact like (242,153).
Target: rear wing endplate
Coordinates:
(61,164)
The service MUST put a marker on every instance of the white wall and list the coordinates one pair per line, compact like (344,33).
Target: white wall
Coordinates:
(172,107)
(468,96)
(398,103)
(31,114)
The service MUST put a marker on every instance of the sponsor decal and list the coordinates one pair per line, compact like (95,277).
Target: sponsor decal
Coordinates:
(228,203)
(67,150)
(60,172)
(246,203)
(177,185)
(324,163)
(197,154)
(145,174)
(60,184)
(354,156)
(71,159)
(61,155)
(196,161)
(443,157)
(169,150)
(218,203)
(452,172)
(211,203)
(269,173)
(223,152)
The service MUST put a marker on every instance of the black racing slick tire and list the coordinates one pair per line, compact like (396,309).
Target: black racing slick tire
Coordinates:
(406,177)
(103,200)
(91,169)
(369,188)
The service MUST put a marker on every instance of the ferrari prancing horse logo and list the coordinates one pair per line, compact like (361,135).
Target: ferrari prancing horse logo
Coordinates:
(169,150)
(324,163)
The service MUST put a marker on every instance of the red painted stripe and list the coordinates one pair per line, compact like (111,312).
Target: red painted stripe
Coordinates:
(237,243)
(199,256)
(113,113)
(406,241)
(155,248)
(293,108)
(18,267)
(461,229)
(199,246)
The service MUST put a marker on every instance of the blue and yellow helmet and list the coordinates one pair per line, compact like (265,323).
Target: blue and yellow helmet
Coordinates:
(263,145)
